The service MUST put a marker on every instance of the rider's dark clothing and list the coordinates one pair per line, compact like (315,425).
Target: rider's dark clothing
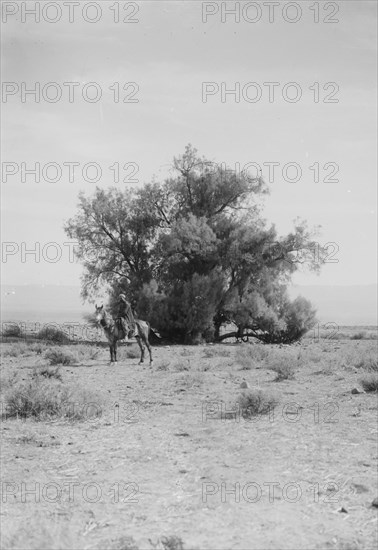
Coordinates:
(125,313)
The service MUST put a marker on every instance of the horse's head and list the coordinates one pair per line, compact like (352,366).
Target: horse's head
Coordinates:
(99,314)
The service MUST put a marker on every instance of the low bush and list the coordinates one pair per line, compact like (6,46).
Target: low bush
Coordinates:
(368,363)
(255,402)
(57,356)
(133,353)
(45,398)
(12,331)
(370,382)
(14,350)
(54,335)
(47,372)
(358,335)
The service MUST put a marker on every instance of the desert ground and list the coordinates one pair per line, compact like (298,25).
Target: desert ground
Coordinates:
(233,445)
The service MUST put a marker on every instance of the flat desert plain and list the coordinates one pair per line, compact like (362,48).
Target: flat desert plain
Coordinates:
(242,446)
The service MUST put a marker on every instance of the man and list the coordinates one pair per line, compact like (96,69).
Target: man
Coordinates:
(126,315)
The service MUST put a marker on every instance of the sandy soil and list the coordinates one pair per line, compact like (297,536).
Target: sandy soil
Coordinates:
(166,458)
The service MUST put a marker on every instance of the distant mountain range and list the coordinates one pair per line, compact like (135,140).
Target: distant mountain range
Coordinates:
(344,305)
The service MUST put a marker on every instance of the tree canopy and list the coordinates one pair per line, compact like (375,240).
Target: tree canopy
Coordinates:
(194,252)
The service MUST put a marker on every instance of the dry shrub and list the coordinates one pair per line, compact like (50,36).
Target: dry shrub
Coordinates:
(20,348)
(133,353)
(255,402)
(181,366)
(370,382)
(189,381)
(246,360)
(38,348)
(163,366)
(284,372)
(368,363)
(53,334)
(57,356)
(121,543)
(13,330)
(172,542)
(47,372)
(259,352)
(359,335)
(217,352)
(284,362)
(88,352)
(45,398)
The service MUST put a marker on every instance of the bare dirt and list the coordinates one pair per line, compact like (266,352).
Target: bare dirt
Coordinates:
(167,457)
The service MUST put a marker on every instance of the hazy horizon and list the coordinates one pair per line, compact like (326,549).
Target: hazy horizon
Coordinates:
(54,303)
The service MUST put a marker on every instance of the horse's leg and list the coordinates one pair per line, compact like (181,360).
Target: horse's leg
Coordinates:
(115,350)
(141,347)
(111,351)
(148,345)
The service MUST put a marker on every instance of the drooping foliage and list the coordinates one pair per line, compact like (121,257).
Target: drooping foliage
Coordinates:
(194,253)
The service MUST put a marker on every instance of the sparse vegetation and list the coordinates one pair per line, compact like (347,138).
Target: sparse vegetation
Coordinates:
(284,363)
(284,371)
(57,356)
(163,366)
(12,331)
(245,359)
(370,382)
(44,398)
(186,353)
(132,353)
(255,402)
(216,352)
(38,348)
(368,363)
(47,372)
(172,542)
(182,366)
(16,349)
(121,543)
(45,420)
(250,357)
(88,352)
(359,335)
(52,334)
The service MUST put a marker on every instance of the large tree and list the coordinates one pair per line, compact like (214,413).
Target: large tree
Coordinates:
(194,252)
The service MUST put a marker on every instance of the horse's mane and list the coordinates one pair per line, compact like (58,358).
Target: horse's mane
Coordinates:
(110,322)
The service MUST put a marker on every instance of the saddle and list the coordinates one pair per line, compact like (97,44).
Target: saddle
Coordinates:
(122,326)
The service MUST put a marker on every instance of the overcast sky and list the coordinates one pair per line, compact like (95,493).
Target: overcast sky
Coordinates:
(168,53)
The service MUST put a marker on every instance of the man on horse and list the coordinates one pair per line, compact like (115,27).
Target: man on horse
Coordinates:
(126,317)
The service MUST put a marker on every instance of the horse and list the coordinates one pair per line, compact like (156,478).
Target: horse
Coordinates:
(114,331)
